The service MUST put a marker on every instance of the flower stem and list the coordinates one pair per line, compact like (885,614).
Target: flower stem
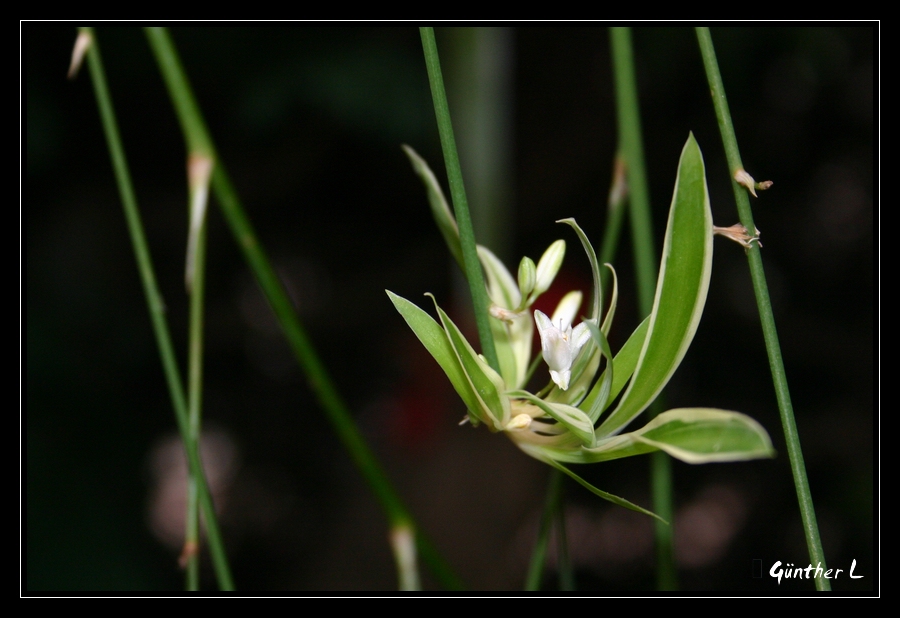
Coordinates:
(458,195)
(767,317)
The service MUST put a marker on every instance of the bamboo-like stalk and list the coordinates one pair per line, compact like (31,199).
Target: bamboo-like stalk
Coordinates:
(764,306)
(332,404)
(156,308)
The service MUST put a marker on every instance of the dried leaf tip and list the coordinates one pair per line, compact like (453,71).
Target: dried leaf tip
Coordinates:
(82,44)
(743,178)
(739,234)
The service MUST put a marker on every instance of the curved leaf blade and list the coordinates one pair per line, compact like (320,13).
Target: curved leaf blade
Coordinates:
(440,210)
(603,494)
(435,340)
(704,435)
(680,292)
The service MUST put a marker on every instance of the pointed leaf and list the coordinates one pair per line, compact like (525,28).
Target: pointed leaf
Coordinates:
(623,365)
(605,495)
(703,435)
(597,297)
(604,384)
(680,292)
(440,210)
(693,435)
(614,299)
(438,345)
(486,382)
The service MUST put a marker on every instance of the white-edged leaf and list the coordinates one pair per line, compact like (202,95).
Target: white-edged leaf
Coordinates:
(623,365)
(604,384)
(597,296)
(704,435)
(680,291)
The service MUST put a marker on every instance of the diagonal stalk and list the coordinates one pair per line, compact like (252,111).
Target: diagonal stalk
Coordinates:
(764,306)
(156,309)
(333,406)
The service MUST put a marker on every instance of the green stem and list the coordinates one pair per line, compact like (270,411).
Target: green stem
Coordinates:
(767,317)
(156,307)
(539,553)
(195,399)
(333,406)
(563,563)
(631,147)
(458,196)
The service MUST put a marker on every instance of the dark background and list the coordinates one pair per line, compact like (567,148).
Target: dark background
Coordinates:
(309,122)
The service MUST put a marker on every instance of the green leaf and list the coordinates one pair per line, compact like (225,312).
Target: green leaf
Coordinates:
(605,495)
(487,383)
(623,366)
(569,417)
(680,290)
(604,384)
(597,298)
(693,435)
(703,435)
(440,210)
(438,345)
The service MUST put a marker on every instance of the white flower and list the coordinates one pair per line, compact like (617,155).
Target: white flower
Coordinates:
(560,346)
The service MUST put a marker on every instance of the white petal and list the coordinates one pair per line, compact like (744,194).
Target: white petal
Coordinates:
(567,309)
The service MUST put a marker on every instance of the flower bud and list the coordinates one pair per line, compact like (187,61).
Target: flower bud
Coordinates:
(527,276)
(548,266)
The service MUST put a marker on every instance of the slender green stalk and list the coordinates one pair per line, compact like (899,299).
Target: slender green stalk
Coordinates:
(195,403)
(539,553)
(333,406)
(631,147)
(156,308)
(563,563)
(458,196)
(767,317)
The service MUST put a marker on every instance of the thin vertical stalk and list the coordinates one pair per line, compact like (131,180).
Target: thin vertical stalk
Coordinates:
(195,403)
(458,196)
(539,553)
(764,306)
(156,307)
(563,562)
(631,147)
(332,404)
